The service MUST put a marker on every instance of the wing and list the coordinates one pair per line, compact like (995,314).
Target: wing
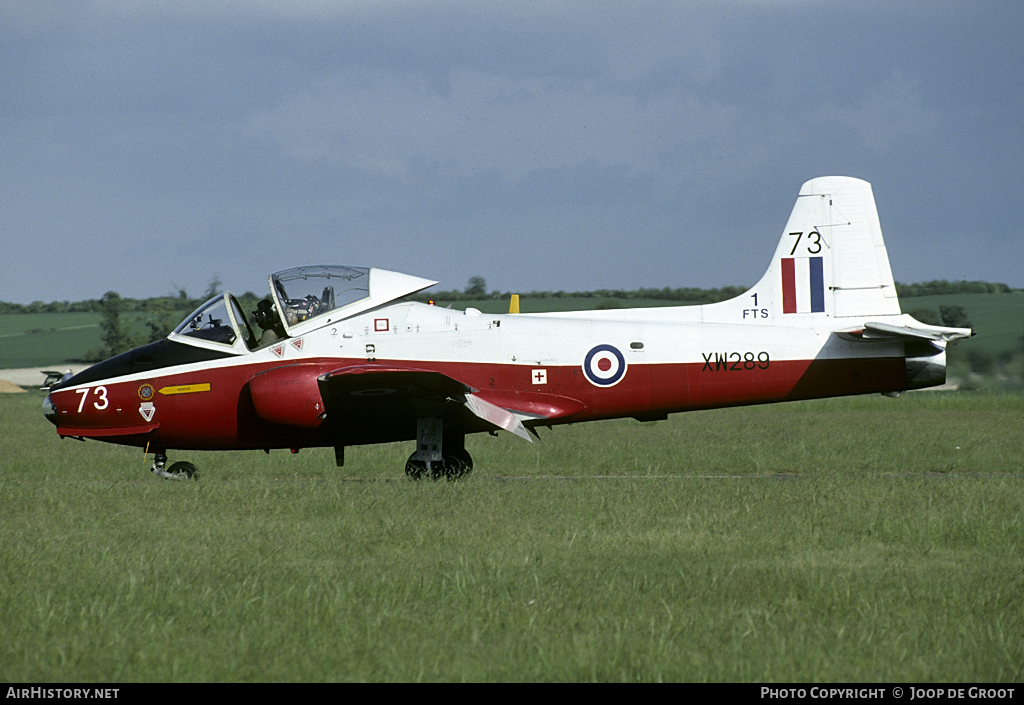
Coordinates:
(374,396)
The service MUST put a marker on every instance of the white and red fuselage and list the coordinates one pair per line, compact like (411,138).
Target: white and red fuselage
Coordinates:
(365,366)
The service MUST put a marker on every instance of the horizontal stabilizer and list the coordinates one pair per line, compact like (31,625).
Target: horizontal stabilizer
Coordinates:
(916,331)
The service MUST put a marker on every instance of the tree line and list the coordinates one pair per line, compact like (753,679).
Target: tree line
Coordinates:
(685,295)
(941,287)
(476,290)
(177,301)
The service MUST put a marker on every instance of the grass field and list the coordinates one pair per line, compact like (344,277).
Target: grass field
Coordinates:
(860,539)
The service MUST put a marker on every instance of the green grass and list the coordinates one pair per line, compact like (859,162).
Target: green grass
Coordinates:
(861,539)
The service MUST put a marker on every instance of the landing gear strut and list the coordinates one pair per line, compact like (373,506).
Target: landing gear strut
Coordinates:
(438,455)
(180,470)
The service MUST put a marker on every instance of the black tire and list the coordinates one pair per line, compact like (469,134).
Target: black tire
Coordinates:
(184,469)
(456,466)
(415,469)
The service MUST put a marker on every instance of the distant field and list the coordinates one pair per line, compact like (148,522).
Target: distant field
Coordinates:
(562,303)
(47,339)
(850,540)
(998,318)
(51,339)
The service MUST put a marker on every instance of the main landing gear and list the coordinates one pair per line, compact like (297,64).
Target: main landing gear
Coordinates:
(449,467)
(180,470)
(438,455)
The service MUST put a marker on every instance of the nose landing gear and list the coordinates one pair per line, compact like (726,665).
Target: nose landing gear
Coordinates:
(181,470)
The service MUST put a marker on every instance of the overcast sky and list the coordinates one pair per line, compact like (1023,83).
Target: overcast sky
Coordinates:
(149,146)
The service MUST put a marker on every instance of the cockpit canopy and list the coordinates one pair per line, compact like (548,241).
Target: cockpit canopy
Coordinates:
(219,323)
(304,293)
(309,297)
(305,298)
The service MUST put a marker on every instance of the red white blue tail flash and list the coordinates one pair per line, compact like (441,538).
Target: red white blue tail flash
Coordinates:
(803,285)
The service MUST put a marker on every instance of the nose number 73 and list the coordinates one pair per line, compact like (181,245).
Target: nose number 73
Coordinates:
(99,404)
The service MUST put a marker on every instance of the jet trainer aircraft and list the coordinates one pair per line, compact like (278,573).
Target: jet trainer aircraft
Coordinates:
(343,360)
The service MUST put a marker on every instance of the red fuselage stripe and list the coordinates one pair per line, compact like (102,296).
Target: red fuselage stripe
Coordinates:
(223,416)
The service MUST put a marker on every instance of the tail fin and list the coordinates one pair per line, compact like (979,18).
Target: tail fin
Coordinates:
(831,272)
(831,259)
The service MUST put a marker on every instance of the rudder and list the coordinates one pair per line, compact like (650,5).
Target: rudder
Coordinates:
(831,259)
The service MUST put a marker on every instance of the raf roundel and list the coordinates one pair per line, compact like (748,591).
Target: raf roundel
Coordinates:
(604,365)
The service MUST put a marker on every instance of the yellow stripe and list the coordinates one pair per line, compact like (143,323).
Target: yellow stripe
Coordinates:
(185,388)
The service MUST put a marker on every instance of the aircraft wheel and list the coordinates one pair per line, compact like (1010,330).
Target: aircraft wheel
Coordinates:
(415,469)
(455,466)
(467,461)
(183,470)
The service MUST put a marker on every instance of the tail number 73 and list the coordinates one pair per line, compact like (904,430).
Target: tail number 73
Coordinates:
(813,240)
(100,404)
